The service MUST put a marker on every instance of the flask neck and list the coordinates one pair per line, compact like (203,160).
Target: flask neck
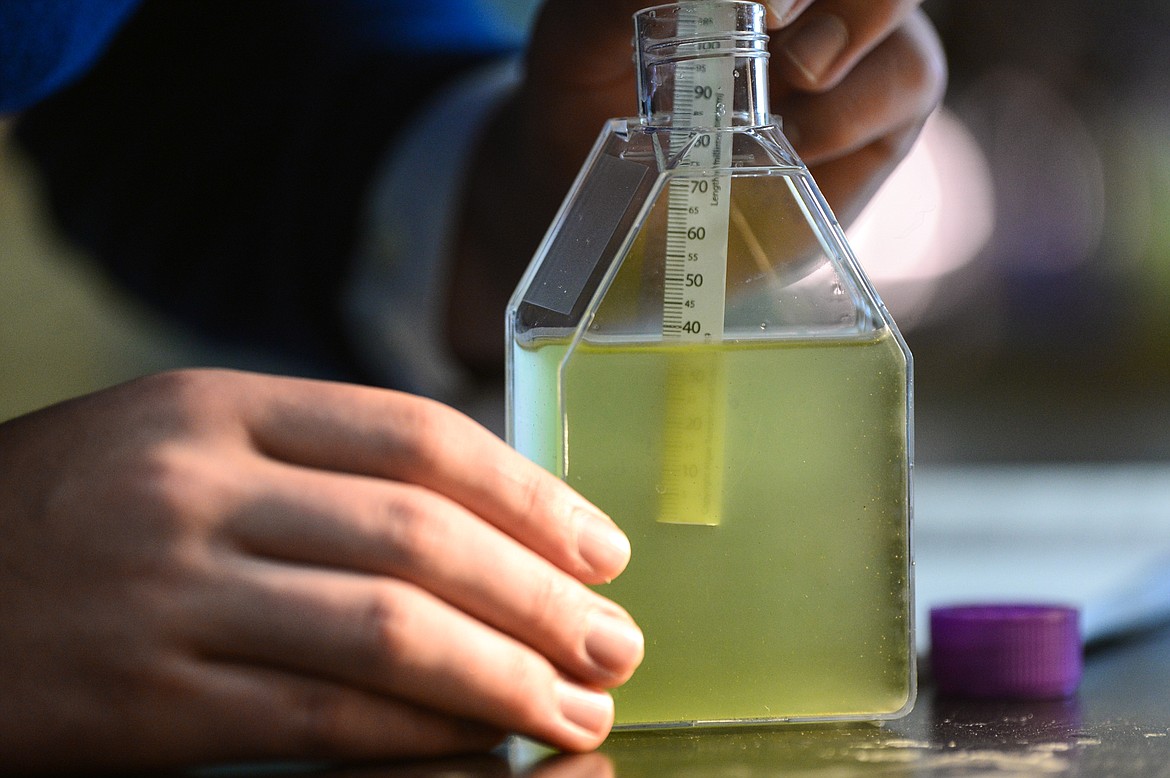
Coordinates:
(688,50)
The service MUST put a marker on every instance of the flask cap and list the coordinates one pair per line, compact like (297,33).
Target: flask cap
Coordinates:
(1006,651)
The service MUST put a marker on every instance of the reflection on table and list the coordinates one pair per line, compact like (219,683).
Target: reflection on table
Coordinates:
(1117,725)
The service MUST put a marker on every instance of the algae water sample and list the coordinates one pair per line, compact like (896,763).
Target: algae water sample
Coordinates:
(796,604)
(695,349)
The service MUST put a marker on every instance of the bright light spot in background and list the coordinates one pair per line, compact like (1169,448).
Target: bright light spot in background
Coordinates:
(931,217)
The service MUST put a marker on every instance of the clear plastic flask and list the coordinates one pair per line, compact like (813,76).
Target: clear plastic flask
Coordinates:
(695,349)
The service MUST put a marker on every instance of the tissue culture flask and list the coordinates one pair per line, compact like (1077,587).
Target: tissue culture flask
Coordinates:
(760,465)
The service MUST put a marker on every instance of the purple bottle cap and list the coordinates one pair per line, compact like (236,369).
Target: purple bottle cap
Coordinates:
(1018,652)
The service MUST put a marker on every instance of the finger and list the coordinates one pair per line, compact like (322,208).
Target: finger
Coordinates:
(391,638)
(402,531)
(251,712)
(849,182)
(782,12)
(815,51)
(413,440)
(894,88)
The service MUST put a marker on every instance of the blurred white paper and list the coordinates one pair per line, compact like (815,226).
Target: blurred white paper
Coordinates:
(1093,536)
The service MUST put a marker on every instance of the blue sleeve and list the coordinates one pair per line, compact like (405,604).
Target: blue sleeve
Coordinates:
(45,45)
(432,27)
(216,159)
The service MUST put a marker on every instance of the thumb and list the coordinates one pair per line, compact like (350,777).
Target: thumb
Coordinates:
(580,70)
(584,44)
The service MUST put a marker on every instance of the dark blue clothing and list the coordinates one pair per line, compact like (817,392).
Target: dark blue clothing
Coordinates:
(45,45)
(216,157)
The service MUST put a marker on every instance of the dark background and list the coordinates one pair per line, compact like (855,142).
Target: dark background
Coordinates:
(1039,317)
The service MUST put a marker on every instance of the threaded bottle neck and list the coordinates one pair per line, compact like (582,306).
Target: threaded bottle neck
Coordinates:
(679,48)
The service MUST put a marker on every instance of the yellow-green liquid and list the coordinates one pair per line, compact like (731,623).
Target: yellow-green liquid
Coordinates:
(797,603)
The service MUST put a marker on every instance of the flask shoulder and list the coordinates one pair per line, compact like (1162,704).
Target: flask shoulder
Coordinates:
(772,142)
(761,147)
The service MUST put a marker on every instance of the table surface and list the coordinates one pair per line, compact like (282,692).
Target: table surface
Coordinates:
(1117,725)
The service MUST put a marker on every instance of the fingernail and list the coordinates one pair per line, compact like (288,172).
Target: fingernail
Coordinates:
(585,709)
(602,545)
(780,9)
(615,644)
(816,45)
